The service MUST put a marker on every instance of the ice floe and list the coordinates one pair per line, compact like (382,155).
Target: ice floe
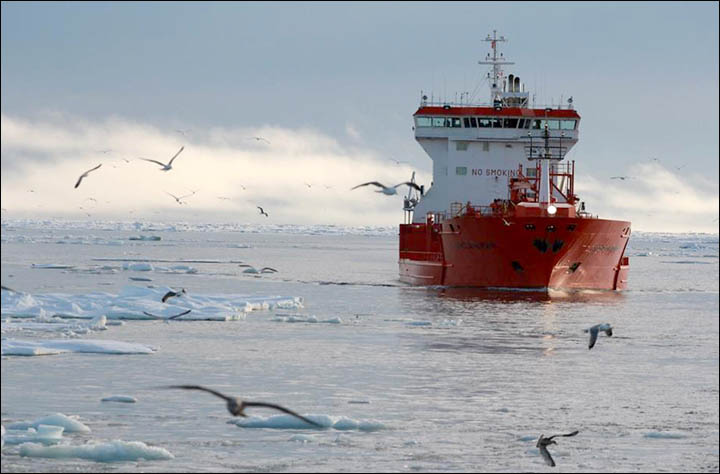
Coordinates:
(132,302)
(153,238)
(301,438)
(56,325)
(19,347)
(112,451)
(419,323)
(52,266)
(665,435)
(289,422)
(65,225)
(300,318)
(69,424)
(138,267)
(120,399)
(44,434)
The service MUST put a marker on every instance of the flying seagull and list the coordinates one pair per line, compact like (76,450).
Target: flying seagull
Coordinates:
(263,212)
(623,178)
(594,332)
(389,191)
(84,175)
(260,139)
(236,406)
(165,167)
(398,161)
(171,317)
(170,294)
(543,443)
(179,199)
(182,131)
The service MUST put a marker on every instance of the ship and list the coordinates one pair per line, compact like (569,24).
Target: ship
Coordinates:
(501,211)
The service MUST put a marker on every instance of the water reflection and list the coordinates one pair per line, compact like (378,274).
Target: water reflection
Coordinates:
(501,321)
(514,296)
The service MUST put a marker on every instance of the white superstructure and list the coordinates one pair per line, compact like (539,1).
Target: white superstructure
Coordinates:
(476,149)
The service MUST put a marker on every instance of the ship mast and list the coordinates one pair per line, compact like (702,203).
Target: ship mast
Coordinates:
(544,197)
(497,73)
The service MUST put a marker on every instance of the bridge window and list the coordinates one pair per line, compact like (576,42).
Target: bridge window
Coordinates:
(496,122)
(552,124)
(510,123)
(466,122)
(438,121)
(461,146)
(455,122)
(567,124)
(473,122)
(423,122)
(484,123)
(536,124)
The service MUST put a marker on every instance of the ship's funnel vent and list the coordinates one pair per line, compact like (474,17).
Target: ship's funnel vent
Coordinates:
(511,83)
(516,87)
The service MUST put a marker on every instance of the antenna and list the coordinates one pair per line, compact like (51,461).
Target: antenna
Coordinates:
(495,62)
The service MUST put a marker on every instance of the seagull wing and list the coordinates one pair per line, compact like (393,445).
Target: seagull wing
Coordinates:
(154,161)
(268,269)
(375,183)
(546,456)
(176,154)
(175,197)
(187,195)
(169,294)
(198,387)
(85,174)
(411,184)
(283,409)
(569,434)
(593,336)
(181,314)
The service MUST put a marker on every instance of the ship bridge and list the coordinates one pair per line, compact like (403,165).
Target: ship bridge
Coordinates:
(476,149)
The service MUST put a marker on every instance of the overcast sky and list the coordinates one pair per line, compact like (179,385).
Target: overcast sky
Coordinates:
(333,87)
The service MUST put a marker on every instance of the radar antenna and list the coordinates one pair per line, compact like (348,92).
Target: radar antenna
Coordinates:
(497,73)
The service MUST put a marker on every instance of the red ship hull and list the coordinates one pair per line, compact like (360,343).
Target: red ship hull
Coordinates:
(519,252)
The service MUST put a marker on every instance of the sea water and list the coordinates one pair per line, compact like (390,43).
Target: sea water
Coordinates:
(401,378)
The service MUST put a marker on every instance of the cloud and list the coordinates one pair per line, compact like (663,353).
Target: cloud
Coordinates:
(352,131)
(655,199)
(47,156)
